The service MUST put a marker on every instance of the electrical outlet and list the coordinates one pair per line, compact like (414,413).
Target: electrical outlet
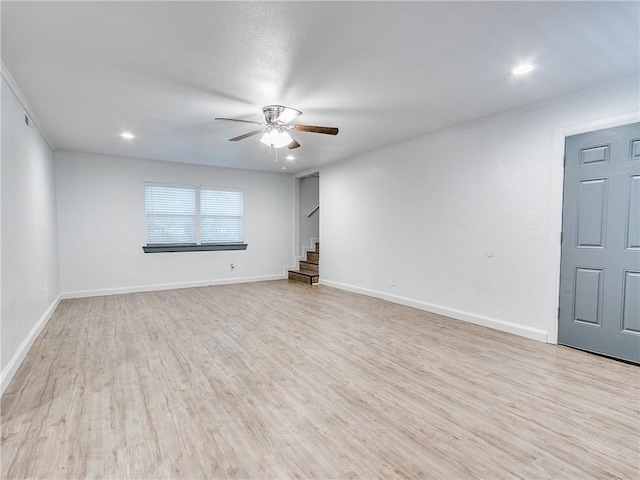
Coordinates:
(232,267)
(393,281)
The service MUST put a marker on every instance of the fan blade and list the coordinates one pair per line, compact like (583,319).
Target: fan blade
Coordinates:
(288,115)
(241,137)
(238,120)
(315,129)
(293,145)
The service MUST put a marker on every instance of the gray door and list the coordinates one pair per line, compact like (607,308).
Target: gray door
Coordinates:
(600,268)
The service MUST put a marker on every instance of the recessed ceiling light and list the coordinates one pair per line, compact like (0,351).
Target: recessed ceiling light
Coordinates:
(290,157)
(127,135)
(522,69)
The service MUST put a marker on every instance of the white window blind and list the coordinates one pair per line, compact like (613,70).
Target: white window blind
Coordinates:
(221,216)
(171,214)
(189,215)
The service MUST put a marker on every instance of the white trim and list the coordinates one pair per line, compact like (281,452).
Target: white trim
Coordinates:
(296,220)
(6,74)
(308,173)
(496,324)
(168,286)
(15,362)
(555,214)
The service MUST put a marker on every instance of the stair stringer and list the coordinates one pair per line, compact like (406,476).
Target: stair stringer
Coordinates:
(297,258)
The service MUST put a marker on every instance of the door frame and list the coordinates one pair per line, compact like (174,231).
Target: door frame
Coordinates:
(556,201)
(296,210)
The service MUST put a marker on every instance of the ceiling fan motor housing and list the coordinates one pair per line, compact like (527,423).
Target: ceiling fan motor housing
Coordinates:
(272,112)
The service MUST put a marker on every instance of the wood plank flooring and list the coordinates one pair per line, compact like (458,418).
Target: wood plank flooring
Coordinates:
(286,380)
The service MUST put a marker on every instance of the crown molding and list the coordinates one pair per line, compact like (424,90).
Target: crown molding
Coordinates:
(6,74)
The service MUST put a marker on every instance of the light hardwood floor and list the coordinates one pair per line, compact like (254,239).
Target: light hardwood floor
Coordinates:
(281,380)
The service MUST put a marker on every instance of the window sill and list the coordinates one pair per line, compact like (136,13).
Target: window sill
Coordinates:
(193,248)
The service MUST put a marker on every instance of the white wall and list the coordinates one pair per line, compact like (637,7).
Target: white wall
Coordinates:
(102,226)
(466,222)
(30,289)
(309,198)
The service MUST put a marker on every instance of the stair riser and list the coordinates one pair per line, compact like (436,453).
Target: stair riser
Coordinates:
(309,267)
(302,278)
(308,271)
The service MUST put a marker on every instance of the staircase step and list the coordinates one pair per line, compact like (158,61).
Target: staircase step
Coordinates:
(309,266)
(304,277)
(313,257)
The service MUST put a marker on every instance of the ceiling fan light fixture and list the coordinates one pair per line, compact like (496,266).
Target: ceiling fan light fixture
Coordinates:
(276,138)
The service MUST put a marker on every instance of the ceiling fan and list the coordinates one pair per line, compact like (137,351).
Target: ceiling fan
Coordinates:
(278,125)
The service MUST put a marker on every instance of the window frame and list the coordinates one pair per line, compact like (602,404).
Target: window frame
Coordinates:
(198,246)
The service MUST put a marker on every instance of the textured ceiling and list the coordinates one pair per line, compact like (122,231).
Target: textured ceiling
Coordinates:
(382,72)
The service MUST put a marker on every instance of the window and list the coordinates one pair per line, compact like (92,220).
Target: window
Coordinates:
(221,216)
(186,217)
(171,214)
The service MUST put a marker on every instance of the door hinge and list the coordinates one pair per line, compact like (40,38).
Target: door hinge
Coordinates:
(558,313)
(561,237)
(564,160)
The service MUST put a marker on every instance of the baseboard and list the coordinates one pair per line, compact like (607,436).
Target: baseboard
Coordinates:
(502,325)
(168,286)
(15,362)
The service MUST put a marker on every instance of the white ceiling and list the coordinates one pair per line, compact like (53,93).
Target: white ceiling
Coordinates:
(382,72)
